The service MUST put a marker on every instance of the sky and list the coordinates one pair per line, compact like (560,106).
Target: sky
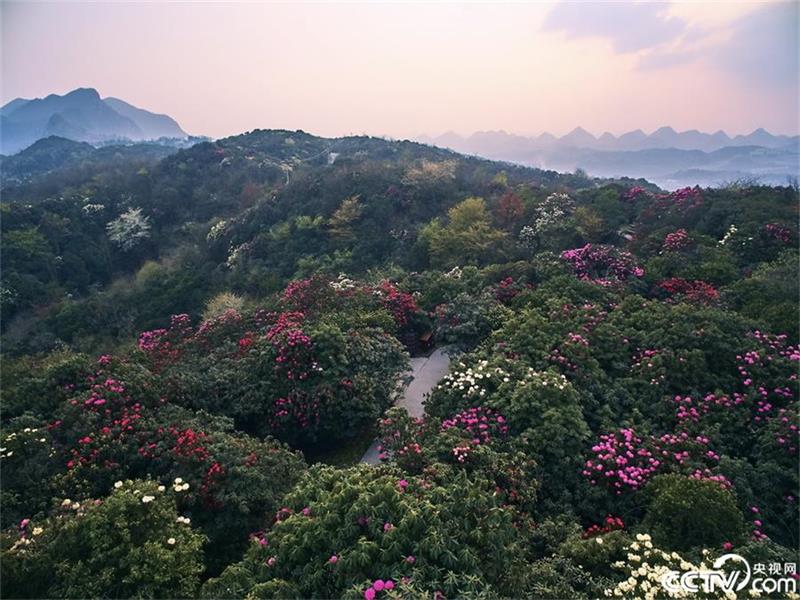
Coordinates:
(404,69)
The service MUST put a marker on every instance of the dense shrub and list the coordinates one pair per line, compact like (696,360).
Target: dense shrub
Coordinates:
(685,513)
(133,543)
(340,531)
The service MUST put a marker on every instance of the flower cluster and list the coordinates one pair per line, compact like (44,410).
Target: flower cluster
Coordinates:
(635,193)
(552,212)
(729,234)
(401,305)
(471,382)
(295,409)
(294,347)
(236,253)
(378,585)
(691,410)
(693,292)
(676,241)
(778,232)
(298,293)
(603,265)
(212,332)
(461,453)
(480,423)
(649,362)
(163,346)
(571,352)
(508,289)
(685,198)
(645,568)
(623,461)
(610,524)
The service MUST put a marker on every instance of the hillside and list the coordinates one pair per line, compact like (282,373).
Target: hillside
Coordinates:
(199,349)
(274,191)
(57,154)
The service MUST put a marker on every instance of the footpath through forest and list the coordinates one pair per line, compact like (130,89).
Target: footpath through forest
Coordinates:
(425,373)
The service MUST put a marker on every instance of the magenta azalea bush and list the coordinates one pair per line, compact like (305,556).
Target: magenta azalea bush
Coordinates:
(603,265)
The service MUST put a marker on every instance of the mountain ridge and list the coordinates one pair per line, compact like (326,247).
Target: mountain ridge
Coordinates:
(669,158)
(663,137)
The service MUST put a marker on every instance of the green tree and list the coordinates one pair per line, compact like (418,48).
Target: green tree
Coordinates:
(467,239)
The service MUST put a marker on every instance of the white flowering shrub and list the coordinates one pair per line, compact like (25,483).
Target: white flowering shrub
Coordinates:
(129,229)
(236,253)
(732,231)
(92,208)
(550,216)
(217,230)
(647,565)
(471,383)
(222,303)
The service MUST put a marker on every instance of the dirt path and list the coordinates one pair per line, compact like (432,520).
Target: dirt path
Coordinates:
(425,373)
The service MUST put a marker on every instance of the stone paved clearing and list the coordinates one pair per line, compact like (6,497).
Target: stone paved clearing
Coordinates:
(425,373)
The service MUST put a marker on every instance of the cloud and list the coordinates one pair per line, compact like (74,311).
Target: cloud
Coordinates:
(664,59)
(763,47)
(760,48)
(630,26)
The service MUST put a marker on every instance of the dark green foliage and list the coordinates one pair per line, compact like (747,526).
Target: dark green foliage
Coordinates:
(129,545)
(684,513)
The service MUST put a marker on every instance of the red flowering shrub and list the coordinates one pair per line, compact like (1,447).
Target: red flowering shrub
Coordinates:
(117,427)
(481,424)
(635,193)
(308,295)
(610,524)
(676,241)
(508,289)
(163,346)
(693,292)
(401,305)
(284,374)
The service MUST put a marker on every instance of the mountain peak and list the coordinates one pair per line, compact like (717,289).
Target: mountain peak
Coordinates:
(578,136)
(579,131)
(87,93)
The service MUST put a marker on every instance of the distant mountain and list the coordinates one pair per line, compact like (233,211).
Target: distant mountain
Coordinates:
(666,157)
(664,137)
(579,138)
(80,115)
(152,125)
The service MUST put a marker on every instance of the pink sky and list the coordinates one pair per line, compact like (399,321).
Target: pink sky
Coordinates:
(411,68)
